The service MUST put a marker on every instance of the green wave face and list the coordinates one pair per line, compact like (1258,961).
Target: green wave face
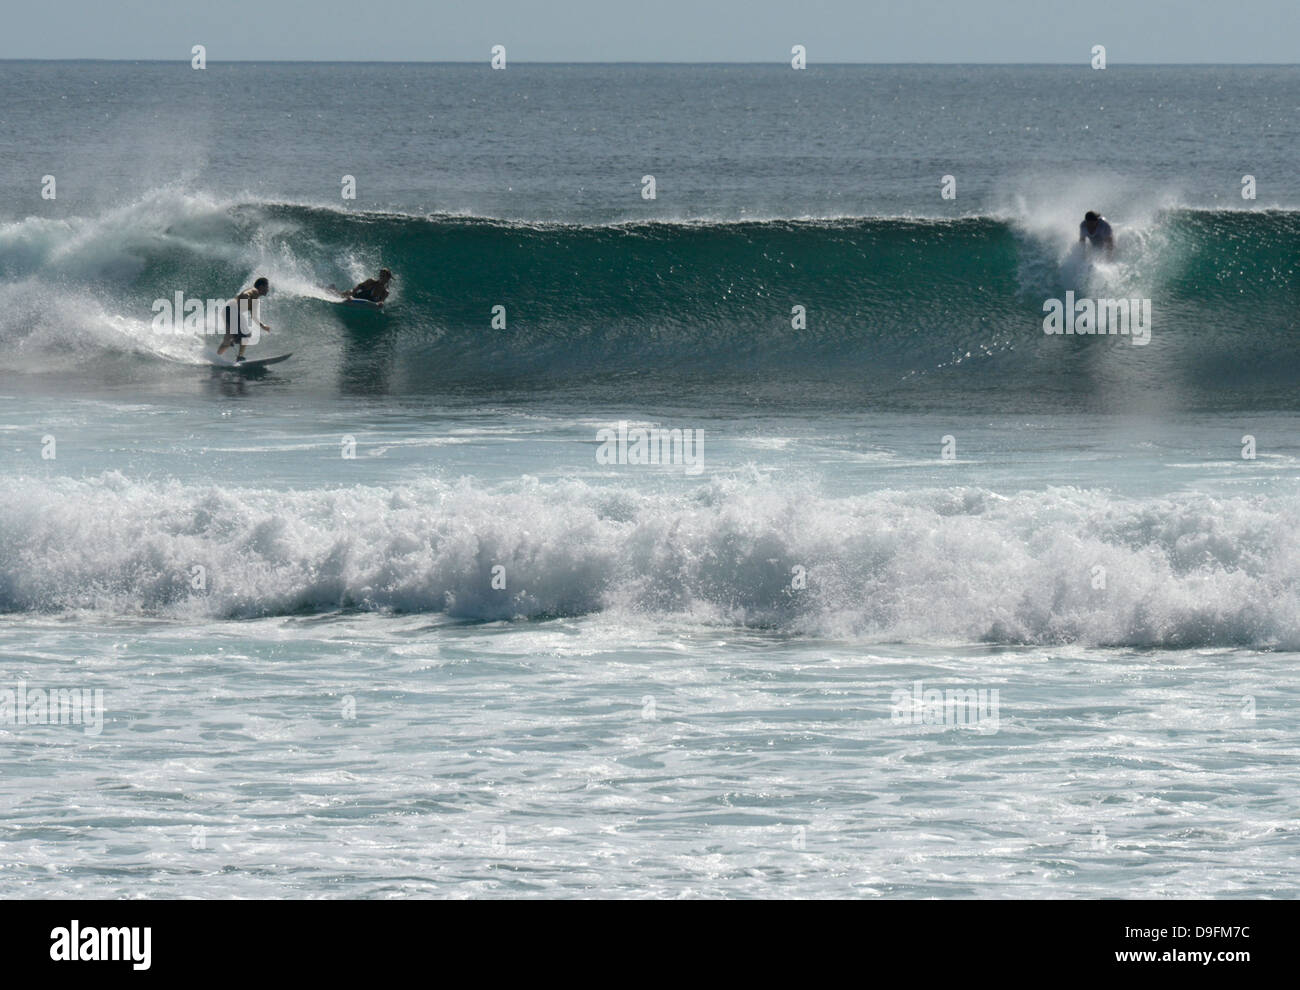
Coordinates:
(882,297)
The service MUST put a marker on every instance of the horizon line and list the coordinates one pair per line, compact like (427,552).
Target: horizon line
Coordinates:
(1082,63)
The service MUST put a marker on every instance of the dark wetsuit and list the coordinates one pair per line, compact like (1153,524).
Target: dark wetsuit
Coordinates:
(371,290)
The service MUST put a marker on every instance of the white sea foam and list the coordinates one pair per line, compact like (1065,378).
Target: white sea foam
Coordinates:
(931,566)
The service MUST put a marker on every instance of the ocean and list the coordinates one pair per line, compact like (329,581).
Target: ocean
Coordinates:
(711,511)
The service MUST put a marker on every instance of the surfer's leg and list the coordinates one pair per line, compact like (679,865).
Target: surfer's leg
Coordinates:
(229,338)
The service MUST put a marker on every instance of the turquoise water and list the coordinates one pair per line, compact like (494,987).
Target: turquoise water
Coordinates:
(384,620)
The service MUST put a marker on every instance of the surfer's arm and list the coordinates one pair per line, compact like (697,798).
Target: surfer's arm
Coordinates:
(256,317)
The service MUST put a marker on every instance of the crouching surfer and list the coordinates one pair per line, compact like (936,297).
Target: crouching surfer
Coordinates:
(372,290)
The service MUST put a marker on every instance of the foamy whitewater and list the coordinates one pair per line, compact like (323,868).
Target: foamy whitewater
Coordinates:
(935,604)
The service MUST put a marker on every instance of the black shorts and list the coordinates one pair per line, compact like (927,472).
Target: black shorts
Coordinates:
(235,332)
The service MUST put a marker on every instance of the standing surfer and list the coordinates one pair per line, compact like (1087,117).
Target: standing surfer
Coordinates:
(246,314)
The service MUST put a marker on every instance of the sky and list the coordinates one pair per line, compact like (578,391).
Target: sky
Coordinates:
(1059,31)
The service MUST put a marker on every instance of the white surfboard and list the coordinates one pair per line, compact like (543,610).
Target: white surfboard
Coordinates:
(225,362)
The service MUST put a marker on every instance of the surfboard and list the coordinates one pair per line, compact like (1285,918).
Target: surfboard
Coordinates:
(224,362)
(349,301)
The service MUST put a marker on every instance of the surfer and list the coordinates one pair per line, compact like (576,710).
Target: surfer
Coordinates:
(243,304)
(1096,231)
(372,290)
